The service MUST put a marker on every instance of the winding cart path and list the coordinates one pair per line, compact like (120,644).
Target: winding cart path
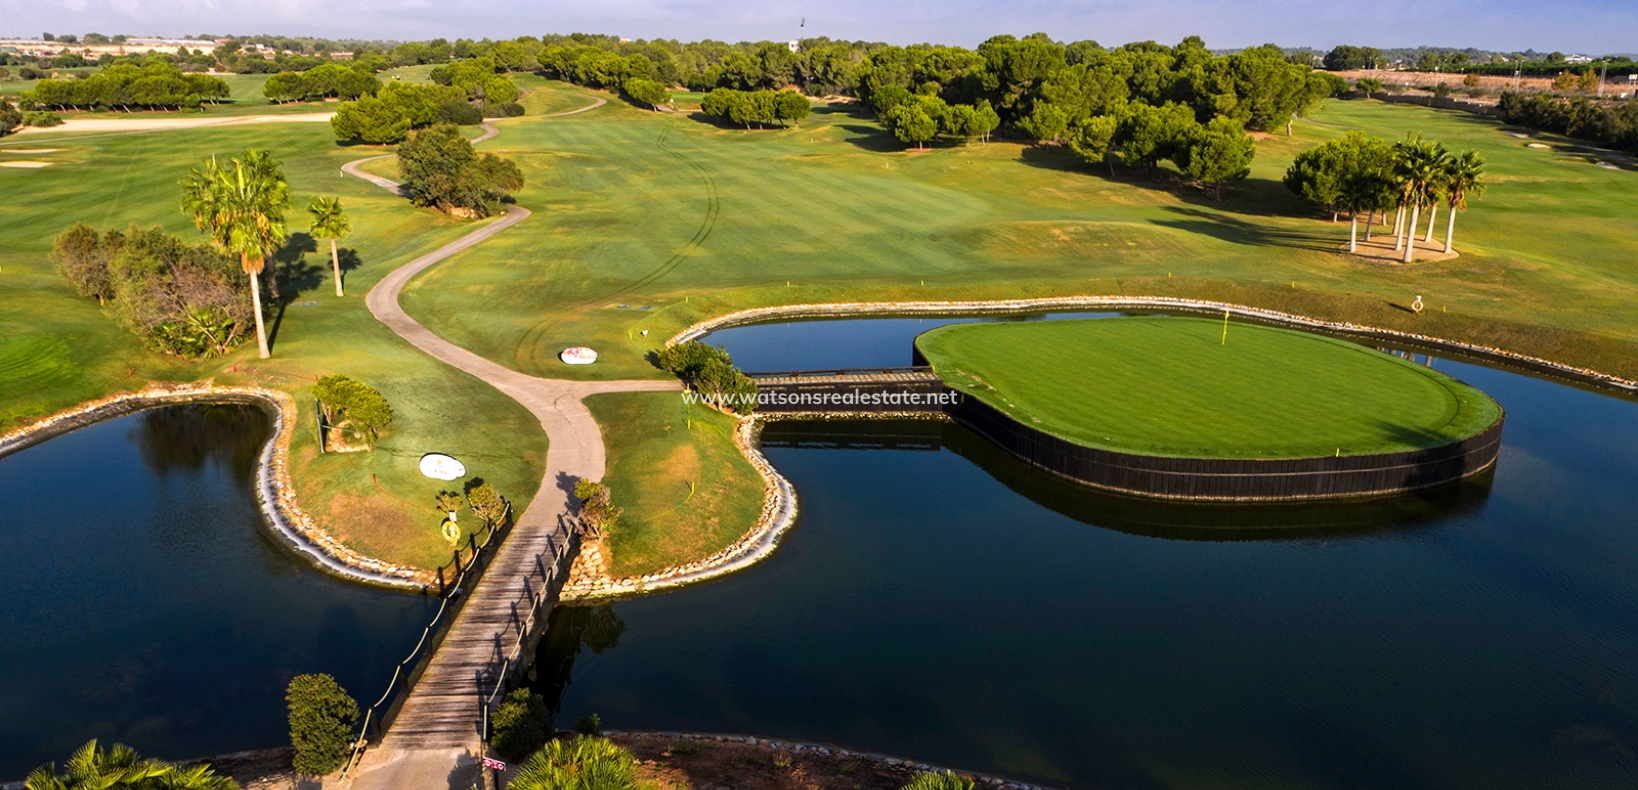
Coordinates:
(434,740)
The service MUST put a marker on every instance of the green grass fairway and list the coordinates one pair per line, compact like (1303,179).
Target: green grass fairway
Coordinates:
(663,211)
(686,489)
(1175,387)
(57,349)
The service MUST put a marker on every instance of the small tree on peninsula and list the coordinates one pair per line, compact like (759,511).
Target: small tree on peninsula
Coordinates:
(321,723)
(353,404)
(486,503)
(597,508)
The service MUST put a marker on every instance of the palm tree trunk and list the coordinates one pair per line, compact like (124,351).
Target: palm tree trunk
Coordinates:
(1353,231)
(256,306)
(1410,238)
(1450,229)
(1399,228)
(1370,219)
(335,262)
(1433,211)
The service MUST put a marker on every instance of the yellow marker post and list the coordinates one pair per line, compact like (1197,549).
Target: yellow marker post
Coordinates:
(1225,328)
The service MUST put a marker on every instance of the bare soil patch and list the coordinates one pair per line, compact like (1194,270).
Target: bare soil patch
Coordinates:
(1381,248)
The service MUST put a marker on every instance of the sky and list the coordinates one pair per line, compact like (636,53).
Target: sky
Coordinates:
(1592,27)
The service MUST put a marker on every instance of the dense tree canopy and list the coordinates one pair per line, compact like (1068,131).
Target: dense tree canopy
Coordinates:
(744,108)
(442,170)
(399,107)
(331,80)
(156,85)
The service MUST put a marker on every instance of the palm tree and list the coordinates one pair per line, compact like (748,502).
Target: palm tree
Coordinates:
(240,206)
(1420,169)
(121,768)
(1465,178)
(584,763)
(330,223)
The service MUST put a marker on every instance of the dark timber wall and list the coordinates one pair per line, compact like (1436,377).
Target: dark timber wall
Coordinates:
(1230,479)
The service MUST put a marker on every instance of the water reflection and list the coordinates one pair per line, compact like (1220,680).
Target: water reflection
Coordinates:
(175,438)
(570,630)
(1135,515)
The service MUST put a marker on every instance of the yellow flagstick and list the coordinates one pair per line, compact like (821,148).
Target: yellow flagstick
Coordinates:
(1225,328)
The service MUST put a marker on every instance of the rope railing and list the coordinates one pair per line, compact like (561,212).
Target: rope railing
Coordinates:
(569,532)
(446,594)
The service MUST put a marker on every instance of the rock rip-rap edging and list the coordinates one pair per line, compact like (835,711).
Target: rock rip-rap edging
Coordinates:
(979,307)
(829,751)
(275,495)
(778,515)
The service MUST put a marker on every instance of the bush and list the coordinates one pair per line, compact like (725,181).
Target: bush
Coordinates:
(520,725)
(441,170)
(486,503)
(10,118)
(189,301)
(590,726)
(321,723)
(353,403)
(42,119)
(585,763)
(509,109)
(929,780)
(710,370)
(597,508)
(460,113)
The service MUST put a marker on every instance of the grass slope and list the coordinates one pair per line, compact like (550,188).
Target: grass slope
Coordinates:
(1179,387)
(636,209)
(686,489)
(57,349)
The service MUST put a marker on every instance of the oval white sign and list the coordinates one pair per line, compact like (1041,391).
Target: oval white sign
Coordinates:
(441,467)
(578,355)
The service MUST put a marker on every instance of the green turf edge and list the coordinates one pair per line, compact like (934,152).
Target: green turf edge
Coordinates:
(956,370)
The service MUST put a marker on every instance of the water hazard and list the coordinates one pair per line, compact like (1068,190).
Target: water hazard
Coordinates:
(939,600)
(146,605)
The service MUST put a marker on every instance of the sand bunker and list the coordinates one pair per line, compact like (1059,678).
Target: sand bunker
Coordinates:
(29,150)
(1609,165)
(141,123)
(25,163)
(1537,145)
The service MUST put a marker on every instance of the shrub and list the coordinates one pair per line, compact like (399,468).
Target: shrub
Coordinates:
(321,723)
(460,113)
(710,370)
(929,780)
(597,508)
(585,763)
(486,503)
(10,118)
(42,119)
(185,300)
(350,402)
(520,725)
(121,768)
(590,726)
(509,109)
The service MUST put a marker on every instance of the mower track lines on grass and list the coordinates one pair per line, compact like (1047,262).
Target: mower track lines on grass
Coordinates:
(713,207)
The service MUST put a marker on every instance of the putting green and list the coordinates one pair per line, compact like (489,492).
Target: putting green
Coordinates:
(1171,386)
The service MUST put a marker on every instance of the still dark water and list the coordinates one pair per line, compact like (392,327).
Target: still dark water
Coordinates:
(144,604)
(938,600)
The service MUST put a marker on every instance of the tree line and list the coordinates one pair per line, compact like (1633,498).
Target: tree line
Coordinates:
(328,81)
(759,107)
(1359,173)
(462,93)
(156,84)
(1613,124)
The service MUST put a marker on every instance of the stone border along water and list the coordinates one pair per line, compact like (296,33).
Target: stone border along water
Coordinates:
(779,507)
(828,751)
(1004,306)
(296,530)
(778,515)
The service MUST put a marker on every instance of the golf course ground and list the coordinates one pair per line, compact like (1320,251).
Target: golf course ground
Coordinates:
(1186,388)
(645,223)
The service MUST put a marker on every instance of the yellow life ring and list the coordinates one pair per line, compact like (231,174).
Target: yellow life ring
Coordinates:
(452,533)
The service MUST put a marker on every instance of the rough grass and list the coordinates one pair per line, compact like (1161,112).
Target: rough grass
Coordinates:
(637,209)
(686,489)
(1180,387)
(57,349)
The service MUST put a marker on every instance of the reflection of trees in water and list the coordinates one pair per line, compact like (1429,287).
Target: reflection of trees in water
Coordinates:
(1211,521)
(186,437)
(569,630)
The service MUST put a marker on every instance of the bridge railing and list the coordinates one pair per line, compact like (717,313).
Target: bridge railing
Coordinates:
(782,374)
(463,574)
(563,550)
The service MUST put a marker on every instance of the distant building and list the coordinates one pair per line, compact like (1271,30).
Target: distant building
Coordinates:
(1578,59)
(796,46)
(341,56)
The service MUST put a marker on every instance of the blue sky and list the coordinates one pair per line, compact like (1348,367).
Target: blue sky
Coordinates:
(1590,26)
